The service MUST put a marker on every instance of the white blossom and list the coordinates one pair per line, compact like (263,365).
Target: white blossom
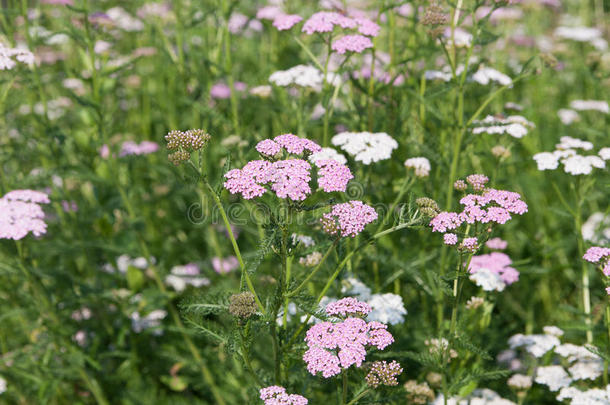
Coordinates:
(10,56)
(485,75)
(596,228)
(514,125)
(124,20)
(150,321)
(554,377)
(546,161)
(578,164)
(420,164)
(481,396)
(328,154)
(592,105)
(488,280)
(567,116)
(553,331)
(303,76)
(356,288)
(387,308)
(583,34)
(366,147)
(520,381)
(2,385)
(536,345)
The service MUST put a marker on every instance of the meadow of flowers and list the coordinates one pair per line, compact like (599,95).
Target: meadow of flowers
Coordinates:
(304,202)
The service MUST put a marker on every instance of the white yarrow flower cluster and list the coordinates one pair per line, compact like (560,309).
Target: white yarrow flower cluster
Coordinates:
(366,147)
(182,276)
(481,396)
(573,163)
(554,377)
(10,56)
(151,321)
(486,75)
(593,36)
(567,116)
(536,345)
(123,263)
(421,165)
(123,20)
(594,396)
(328,154)
(591,105)
(488,280)
(303,76)
(514,125)
(387,308)
(520,381)
(596,229)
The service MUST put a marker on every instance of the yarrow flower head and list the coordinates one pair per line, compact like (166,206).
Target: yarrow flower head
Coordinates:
(514,125)
(185,142)
(223,266)
(566,153)
(326,21)
(496,262)
(599,255)
(366,147)
(188,275)
(336,346)
(301,75)
(346,307)
(383,373)
(421,165)
(285,22)
(276,395)
(348,219)
(496,244)
(133,148)
(243,305)
(20,214)
(351,43)
(286,178)
(477,181)
(9,57)
(492,206)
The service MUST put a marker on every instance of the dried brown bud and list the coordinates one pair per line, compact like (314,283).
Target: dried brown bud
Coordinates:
(383,373)
(435,15)
(418,393)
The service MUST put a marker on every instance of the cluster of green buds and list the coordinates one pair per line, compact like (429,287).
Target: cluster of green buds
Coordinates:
(184,143)
(428,206)
(243,305)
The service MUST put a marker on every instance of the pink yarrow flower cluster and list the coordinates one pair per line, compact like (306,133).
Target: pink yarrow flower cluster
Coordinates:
(134,148)
(285,22)
(599,255)
(348,219)
(286,178)
(496,262)
(20,214)
(336,346)
(493,206)
(351,43)
(276,395)
(289,142)
(347,307)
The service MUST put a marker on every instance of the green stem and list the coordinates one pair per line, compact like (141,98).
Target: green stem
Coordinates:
(225,219)
(359,396)
(313,273)
(344,387)
(406,185)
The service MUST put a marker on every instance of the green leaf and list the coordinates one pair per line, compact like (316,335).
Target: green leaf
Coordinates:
(135,278)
